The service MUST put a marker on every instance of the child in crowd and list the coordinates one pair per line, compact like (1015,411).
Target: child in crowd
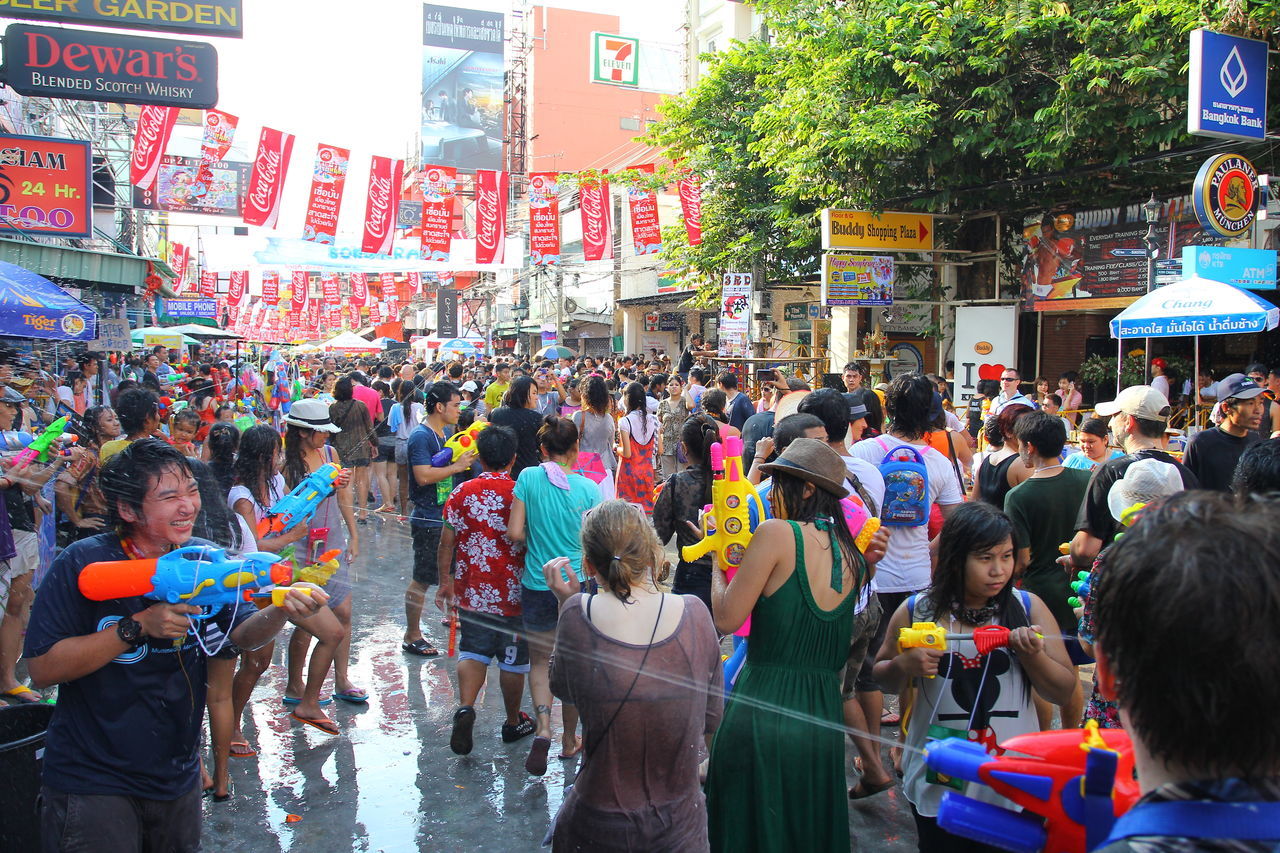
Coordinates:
(961,693)
(182,432)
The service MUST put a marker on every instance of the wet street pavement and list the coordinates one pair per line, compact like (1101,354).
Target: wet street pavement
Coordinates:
(390,781)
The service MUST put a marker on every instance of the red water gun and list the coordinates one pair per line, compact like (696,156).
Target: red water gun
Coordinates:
(1072,783)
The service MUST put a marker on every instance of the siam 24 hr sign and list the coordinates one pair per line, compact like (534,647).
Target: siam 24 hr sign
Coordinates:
(44,186)
(97,66)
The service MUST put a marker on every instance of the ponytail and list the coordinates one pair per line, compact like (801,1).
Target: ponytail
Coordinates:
(622,547)
(700,432)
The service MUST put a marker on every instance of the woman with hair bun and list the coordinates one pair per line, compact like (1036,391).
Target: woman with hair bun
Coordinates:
(546,514)
(682,499)
(643,669)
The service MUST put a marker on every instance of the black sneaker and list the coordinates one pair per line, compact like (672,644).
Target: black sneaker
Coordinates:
(522,729)
(463,719)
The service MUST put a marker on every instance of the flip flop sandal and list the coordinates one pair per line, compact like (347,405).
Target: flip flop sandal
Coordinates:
(536,763)
(327,726)
(463,720)
(421,648)
(222,798)
(565,756)
(294,700)
(22,695)
(359,696)
(246,751)
(862,790)
(890,719)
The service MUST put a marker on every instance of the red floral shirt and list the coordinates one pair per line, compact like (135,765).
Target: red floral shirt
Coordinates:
(489,565)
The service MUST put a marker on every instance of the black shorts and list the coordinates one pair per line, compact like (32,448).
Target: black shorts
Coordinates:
(541,610)
(112,822)
(485,636)
(426,542)
(889,603)
(386,453)
(357,463)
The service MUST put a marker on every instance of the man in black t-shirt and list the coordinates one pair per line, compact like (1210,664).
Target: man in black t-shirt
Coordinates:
(692,351)
(1139,416)
(1213,453)
(121,769)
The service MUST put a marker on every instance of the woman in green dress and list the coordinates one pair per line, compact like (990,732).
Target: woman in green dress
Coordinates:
(776,780)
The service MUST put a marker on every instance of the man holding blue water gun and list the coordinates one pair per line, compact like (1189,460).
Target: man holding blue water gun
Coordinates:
(121,768)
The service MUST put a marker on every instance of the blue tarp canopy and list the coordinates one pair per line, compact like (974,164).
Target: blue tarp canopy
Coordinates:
(31,306)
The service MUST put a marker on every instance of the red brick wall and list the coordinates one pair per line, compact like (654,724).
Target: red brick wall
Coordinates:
(1062,338)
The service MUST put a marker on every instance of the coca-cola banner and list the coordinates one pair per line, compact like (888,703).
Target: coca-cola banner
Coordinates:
(298,298)
(329,286)
(237,287)
(150,138)
(266,181)
(359,289)
(597,220)
(646,235)
(544,218)
(391,295)
(271,288)
(313,318)
(386,284)
(327,182)
(413,283)
(385,175)
(491,216)
(179,258)
(208,284)
(691,206)
(439,184)
(219,130)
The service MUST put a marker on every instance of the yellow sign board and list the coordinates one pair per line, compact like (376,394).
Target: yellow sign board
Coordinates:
(860,229)
(153,339)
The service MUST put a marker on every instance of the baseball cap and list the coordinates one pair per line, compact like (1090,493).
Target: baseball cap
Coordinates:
(856,409)
(1141,401)
(470,386)
(11,395)
(1239,386)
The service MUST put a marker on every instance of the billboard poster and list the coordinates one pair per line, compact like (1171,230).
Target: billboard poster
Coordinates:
(986,343)
(462,87)
(1097,258)
(219,130)
(385,176)
(491,216)
(646,235)
(266,181)
(544,218)
(857,280)
(327,182)
(439,184)
(735,315)
(177,188)
(44,186)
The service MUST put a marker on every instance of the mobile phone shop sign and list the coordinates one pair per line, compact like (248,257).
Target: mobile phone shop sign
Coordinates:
(201,18)
(98,66)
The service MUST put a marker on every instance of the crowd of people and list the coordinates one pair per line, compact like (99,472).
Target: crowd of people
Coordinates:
(542,540)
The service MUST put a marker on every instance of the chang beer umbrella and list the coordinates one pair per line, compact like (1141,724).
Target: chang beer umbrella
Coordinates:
(1193,307)
(31,306)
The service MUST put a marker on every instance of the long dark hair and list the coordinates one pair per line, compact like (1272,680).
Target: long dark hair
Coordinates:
(698,434)
(972,527)
(409,394)
(295,464)
(819,505)
(517,396)
(223,441)
(256,463)
(90,419)
(595,396)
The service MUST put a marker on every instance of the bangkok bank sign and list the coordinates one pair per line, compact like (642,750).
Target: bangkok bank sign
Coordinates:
(98,66)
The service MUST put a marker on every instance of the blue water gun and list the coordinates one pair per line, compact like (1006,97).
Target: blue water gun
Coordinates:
(1071,783)
(199,575)
(301,503)
(1081,588)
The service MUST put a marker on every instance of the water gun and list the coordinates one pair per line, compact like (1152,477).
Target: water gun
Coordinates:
(317,573)
(1081,589)
(39,446)
(727,527)
(462,441)
(930,635)
(301,503)
(1073,784)
(197,574)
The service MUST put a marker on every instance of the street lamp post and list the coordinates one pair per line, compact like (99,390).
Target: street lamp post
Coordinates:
(1151,210)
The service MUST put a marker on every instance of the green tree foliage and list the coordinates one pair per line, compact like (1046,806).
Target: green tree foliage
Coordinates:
(937,105)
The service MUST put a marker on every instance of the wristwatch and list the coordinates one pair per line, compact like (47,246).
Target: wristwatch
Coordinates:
(129,631)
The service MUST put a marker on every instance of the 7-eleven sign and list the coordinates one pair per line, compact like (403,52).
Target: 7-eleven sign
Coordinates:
(615,60)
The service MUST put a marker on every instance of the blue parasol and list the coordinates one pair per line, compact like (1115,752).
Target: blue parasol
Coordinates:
(31,306)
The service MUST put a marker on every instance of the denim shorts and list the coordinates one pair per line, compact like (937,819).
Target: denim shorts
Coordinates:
(485,636)
(541,610)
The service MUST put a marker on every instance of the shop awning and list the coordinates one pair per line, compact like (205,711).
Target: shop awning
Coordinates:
(32,306)
(60,262)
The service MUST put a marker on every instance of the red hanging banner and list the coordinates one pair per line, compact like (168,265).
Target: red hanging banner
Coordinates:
(179,257)
(208,284)
(219,130)
(237,287)
(385,176)
(439,186)
(646,235)
(313,318)
(544,218)
(413,284)
(328,180)
(386,284)
(329,284)
(691,206)
(266,181)
(597,220)
(150,138)
(392,297)
(271,288)
(491,216)
(359,289)
(298,297)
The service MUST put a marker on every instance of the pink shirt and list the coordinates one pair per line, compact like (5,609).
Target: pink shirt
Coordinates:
(370,398)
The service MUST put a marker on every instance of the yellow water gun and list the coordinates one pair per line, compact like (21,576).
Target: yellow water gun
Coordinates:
(728,512)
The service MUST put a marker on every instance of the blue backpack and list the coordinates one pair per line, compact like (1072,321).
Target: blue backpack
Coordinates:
(906,487)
